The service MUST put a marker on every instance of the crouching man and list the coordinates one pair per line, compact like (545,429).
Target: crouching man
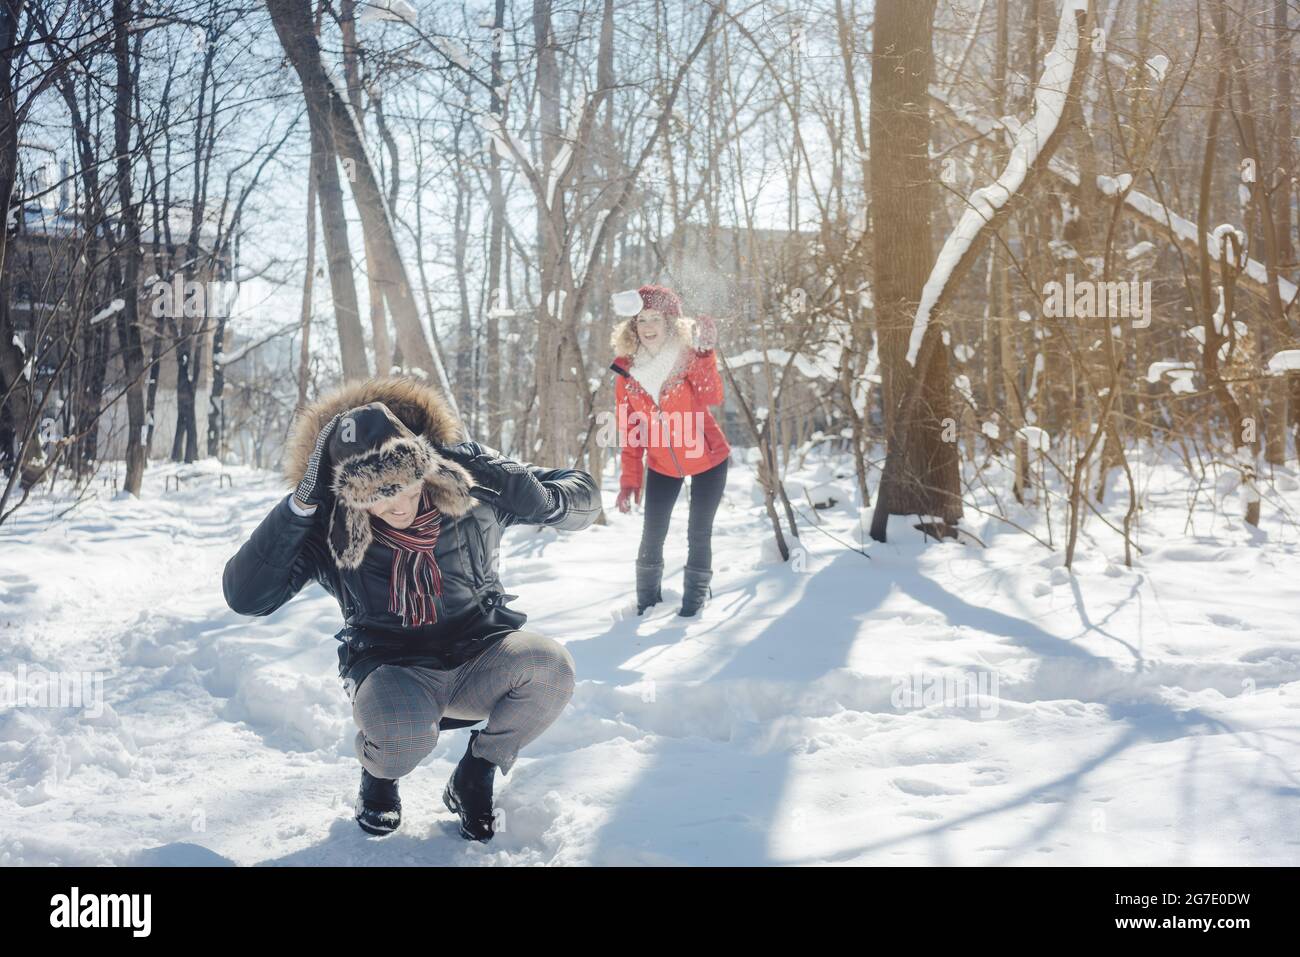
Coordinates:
(401,522)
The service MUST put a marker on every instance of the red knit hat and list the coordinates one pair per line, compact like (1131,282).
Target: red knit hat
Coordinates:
(661,299)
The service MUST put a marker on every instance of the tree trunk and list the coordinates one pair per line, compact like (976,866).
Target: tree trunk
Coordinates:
(550,308)
(15,390)
(128,325)
(380,345)
(304,354)
(293,24)
(924,479)
(1284,145)
(1244,455)
(376,222)
(465,329)
(496,236)
(1006,322)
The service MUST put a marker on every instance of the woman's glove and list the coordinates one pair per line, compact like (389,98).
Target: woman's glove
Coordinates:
(314,488)
(624,501)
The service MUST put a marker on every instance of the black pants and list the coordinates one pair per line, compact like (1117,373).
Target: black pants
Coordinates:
(660,497)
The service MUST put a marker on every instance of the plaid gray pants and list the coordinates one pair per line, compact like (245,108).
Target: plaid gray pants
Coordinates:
(521,685)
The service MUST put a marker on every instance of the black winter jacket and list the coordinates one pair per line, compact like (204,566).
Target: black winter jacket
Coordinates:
(287,550)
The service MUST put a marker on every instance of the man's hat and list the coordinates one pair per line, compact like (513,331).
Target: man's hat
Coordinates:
(374,456)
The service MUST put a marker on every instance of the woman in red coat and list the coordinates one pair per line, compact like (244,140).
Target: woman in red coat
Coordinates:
(665,386)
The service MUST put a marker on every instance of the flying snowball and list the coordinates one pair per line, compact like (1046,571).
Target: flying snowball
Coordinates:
(627,302)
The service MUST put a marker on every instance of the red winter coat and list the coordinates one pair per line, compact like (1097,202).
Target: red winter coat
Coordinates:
(678,431)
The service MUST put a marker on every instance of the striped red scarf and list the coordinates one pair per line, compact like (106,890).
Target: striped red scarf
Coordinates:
(415,580)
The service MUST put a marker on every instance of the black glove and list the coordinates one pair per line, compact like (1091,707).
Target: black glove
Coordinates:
(314,488)
(507,484)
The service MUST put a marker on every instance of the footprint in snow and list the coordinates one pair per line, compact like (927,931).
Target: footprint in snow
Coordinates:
(922,788)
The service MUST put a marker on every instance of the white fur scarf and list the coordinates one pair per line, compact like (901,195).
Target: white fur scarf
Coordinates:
(652,372)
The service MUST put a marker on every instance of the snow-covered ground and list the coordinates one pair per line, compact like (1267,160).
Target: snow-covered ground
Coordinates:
(1113,717)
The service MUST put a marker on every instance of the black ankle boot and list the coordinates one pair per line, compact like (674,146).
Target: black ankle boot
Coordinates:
(695,588)
(648,579)
(378,808)
(469,794)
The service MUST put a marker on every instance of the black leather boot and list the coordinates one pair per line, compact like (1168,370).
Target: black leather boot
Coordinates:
(648,579)
(469,794)
(378,808)
(695,588)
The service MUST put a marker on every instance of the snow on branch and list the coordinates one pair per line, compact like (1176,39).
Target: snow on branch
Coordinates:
(1184,231)
(1050,97)
(379,10)
(112,309)
(455,52)
(1288,360)
(508,145)
(1147,208)
(564,155)
(815,367)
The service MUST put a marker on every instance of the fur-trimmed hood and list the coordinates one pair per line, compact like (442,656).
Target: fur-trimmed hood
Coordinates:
(417,406)
(387,438)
